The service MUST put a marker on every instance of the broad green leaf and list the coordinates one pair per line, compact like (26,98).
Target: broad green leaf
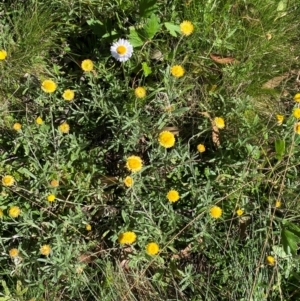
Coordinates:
(135,39)
(146,69)
(279,149)
(172,28)
(289,241)
(147,8)
(151,27)
(293,228)
(282,5)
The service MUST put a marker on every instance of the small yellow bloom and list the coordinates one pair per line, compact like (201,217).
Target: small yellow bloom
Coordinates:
(201,148)
(140,92)
(1,213)
(51,198)
(169,108)
(48,86)
(87,65)
(88,227)
(39,120)
(45,250)
(173,196)
(152,248)
(280,119)
(297,128)
(296,113)
(68,95)
(177,71)
(270,260)
(239,212)
(3,55)
(216,212)
(127,238)
(54,183)
(166,139)
(17,126)
(134,163)
(64,128)
(219,122)
(13,252)
(186,28)
(14,211)
(297,97)
(128,181)
(278,204)
(8,180)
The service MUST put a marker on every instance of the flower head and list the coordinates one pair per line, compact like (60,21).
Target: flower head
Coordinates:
(127,238)
(13,252)
(173,196)
(8,180)
(48,86)
(121,50)
(297,128)
(14,211)
(297,97)
(186,28)
(152,248)
(134,163)
(239,212)
(1,213)
(201,148)
(64,128)
(280,119)
(17,126)
(51,198)
(128,181)
(278,204)
(216,212)
(88,227)
(45,250)
(166,139)
(140,92)
(87,65)
(68,95)
(39,120)
(3,55)
(54,183)
(296,113)
(177,71)
(219,122)
(270,260)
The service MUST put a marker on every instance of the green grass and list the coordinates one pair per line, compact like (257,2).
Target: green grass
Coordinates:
(248,165)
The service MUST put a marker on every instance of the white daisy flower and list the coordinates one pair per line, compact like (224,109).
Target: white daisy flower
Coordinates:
(121,50)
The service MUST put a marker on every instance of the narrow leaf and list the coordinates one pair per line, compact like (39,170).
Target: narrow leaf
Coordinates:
(279,149)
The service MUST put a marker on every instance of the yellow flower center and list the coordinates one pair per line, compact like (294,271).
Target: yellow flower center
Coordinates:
(121,49)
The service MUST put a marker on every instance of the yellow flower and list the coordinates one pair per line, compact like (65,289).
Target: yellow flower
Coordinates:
(54,183)
(297,97)
(134,163)
(68,95)
(297,128)
(13,252)
(177,71)
(166,139)
(128,181)
(39,120)
(277,204)
(8,180)
(48,86)
(173,196)
(3,55)
(127,238)
(280,119)
(64,128)
(14,211)
(186,28)
(88,227)
(17,126)
(216,212)
(219,122)
(51,198)
(201,148)
(296,113)
(45,250)
(270,260)
(140,92)
(87,65)
(239,212)
(152,248)
(1,213)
